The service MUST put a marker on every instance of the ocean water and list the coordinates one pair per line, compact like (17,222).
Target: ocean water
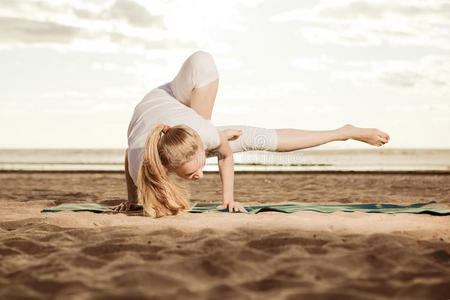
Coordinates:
(301,160)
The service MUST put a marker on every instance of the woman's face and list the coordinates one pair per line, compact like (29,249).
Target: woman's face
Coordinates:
(192,170)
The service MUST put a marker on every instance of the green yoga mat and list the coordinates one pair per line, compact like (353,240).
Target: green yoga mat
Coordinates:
(416,208)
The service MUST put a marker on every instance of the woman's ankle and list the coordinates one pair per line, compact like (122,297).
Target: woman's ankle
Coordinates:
(346,132)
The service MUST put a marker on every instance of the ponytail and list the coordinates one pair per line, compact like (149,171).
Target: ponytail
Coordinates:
(159,193)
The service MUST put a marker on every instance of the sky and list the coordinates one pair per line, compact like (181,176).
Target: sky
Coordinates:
(73,71)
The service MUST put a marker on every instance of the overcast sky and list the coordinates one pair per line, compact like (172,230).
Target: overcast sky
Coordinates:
(72,71)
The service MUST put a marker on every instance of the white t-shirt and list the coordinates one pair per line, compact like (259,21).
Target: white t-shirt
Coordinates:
(159,106)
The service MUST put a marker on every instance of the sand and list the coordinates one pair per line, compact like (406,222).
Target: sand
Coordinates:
(305,255)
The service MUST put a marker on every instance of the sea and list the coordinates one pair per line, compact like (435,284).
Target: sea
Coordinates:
(300,160)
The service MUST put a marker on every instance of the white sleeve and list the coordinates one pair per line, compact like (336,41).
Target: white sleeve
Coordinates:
(209,134)
(182,114)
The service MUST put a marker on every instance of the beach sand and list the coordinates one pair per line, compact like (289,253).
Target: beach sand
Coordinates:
(304,255)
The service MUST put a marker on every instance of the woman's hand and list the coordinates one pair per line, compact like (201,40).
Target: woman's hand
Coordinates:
(232,206)
(125,206)
(232,134)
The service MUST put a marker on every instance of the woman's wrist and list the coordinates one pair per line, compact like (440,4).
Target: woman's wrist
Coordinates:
(227,176)
(227,200)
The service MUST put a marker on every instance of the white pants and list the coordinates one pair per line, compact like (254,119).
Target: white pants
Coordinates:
(198,70)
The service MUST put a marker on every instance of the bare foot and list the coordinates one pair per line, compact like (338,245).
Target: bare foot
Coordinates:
(125,206)
(372,136)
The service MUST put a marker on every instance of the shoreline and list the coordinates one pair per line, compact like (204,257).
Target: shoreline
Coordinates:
(333,172)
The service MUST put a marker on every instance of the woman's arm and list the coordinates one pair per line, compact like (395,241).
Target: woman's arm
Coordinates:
(132,201)
(131,187)
(226,169)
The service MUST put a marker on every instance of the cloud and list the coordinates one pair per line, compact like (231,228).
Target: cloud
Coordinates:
(144,72)
(319,63)
(250,3)
(382,9)
(441,107)
(20,31)
(272,91)
(119,25)
(365,23)
(228,63)
(129,11)
(104,100)
(429,75)
(30,31)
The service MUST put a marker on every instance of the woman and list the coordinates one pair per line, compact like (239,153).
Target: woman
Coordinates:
(171,132)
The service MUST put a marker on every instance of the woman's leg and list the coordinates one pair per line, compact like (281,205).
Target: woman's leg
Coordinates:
(281,140)
(295,139)
(252,138)
(202,99)
(197,82)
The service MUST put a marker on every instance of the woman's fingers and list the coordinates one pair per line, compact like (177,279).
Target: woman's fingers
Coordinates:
(236,134)
(238,207)
(233,134)
(232,207)
(124,206)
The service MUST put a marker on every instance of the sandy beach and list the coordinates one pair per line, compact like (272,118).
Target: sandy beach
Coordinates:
(304,255)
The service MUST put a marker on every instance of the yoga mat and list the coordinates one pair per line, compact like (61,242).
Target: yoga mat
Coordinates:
(416,208)
(93,207)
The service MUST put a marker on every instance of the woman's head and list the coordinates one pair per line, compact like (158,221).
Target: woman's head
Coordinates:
(192,169)
(178,150)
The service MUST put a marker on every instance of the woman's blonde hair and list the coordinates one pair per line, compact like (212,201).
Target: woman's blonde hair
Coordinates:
(160,194)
